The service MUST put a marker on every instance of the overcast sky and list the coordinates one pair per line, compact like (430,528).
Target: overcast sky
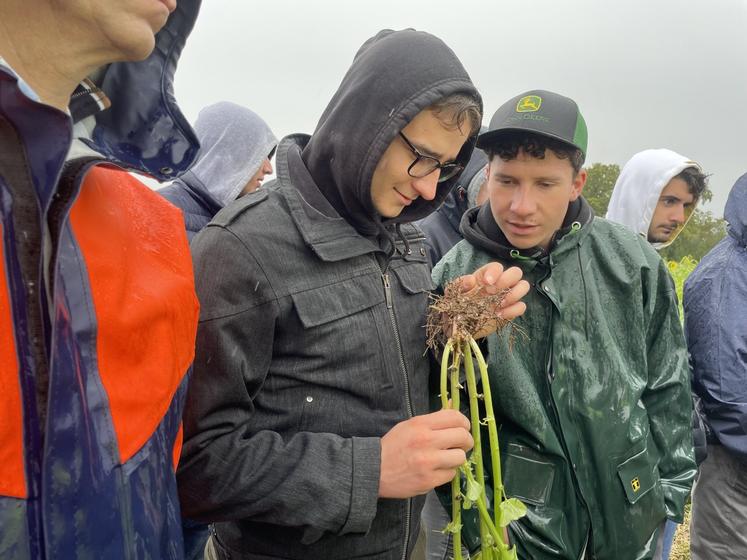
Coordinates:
(645,73)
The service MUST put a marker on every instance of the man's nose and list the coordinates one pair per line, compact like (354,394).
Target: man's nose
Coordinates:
(522,203)
(679,215)
(426,186)
(267,167)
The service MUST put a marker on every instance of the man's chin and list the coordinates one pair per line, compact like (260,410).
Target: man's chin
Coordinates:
(522,243)
(136,48)
(390,211)
(660,237)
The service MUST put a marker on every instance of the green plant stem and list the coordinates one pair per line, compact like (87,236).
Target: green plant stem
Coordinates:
(456,505)
(444,374)
(474,411)
(456,491)
(495,452)
(482,509)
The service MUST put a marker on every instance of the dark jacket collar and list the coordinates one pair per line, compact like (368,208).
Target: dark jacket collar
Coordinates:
(480,229)
(200,195)
(330,236)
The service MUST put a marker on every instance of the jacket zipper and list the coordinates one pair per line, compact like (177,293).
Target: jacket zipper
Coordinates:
(550,378)
(403,367)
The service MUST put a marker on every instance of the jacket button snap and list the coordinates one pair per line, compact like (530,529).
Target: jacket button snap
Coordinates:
(309,398)
(547,288)
(422,251)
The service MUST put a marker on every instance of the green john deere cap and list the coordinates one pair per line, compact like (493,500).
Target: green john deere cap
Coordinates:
(542,112)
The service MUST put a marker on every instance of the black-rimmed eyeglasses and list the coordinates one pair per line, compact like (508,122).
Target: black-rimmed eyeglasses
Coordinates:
(424,165)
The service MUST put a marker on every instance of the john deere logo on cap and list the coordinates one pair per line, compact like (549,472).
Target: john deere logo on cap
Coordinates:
(529,104)
(635,484)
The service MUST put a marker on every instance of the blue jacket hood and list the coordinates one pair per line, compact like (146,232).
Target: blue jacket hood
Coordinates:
(735,212)
(144,129)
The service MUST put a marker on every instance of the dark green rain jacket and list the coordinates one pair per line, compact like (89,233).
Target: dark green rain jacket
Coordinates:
(594,406)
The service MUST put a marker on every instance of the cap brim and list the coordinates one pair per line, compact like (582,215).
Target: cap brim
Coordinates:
(486,139)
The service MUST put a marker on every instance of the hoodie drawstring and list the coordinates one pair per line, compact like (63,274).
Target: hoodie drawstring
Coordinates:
(398,229)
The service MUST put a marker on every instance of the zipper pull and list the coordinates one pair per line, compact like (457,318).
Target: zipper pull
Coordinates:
(387,290)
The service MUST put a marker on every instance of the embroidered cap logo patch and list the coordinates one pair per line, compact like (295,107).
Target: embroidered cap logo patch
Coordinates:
(529,104)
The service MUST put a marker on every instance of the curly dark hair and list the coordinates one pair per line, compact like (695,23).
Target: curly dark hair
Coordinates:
(697,181)
(507,146)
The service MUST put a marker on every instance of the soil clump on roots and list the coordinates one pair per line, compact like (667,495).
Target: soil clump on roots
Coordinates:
(458,315)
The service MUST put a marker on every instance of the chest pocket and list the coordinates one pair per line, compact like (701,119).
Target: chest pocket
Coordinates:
(412,268)
(326,304)
(338,343)
(337,357)
(415,279)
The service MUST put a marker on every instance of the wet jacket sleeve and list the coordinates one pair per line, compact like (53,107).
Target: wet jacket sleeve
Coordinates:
(667,396)
(716,326)
(229,469)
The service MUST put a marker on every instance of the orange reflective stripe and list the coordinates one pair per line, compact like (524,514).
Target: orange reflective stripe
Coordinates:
(178,445)
(12,466)
(140,273)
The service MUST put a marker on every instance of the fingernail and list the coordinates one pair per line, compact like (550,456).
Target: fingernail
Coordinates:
(489,279)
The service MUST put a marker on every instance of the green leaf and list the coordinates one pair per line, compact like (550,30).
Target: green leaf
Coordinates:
(511,510)
(452,528)
(474,490)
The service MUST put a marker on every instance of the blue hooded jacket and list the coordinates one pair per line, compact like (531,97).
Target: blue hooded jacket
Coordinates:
(77,491)
(715,303)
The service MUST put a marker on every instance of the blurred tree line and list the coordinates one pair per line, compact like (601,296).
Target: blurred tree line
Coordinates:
(703,230)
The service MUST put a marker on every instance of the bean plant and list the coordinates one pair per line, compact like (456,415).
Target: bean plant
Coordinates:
(454,321)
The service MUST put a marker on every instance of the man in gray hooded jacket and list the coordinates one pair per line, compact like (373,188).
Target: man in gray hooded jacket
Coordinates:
(236,146)
(305,431)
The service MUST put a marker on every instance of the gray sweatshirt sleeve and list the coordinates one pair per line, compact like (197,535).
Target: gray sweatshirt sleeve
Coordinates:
(229,470)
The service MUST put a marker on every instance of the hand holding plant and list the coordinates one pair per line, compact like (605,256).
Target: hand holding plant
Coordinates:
(421,453)
(470,307)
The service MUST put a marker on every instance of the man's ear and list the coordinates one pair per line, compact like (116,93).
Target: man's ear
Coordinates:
(579,181)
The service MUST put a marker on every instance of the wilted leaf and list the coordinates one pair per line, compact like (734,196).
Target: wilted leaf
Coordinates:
(474,490)
(511,510)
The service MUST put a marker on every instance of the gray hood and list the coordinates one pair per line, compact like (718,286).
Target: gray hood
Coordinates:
(234,143)
(639,187)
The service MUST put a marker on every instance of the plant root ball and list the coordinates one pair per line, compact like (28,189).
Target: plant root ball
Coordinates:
(457,315)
